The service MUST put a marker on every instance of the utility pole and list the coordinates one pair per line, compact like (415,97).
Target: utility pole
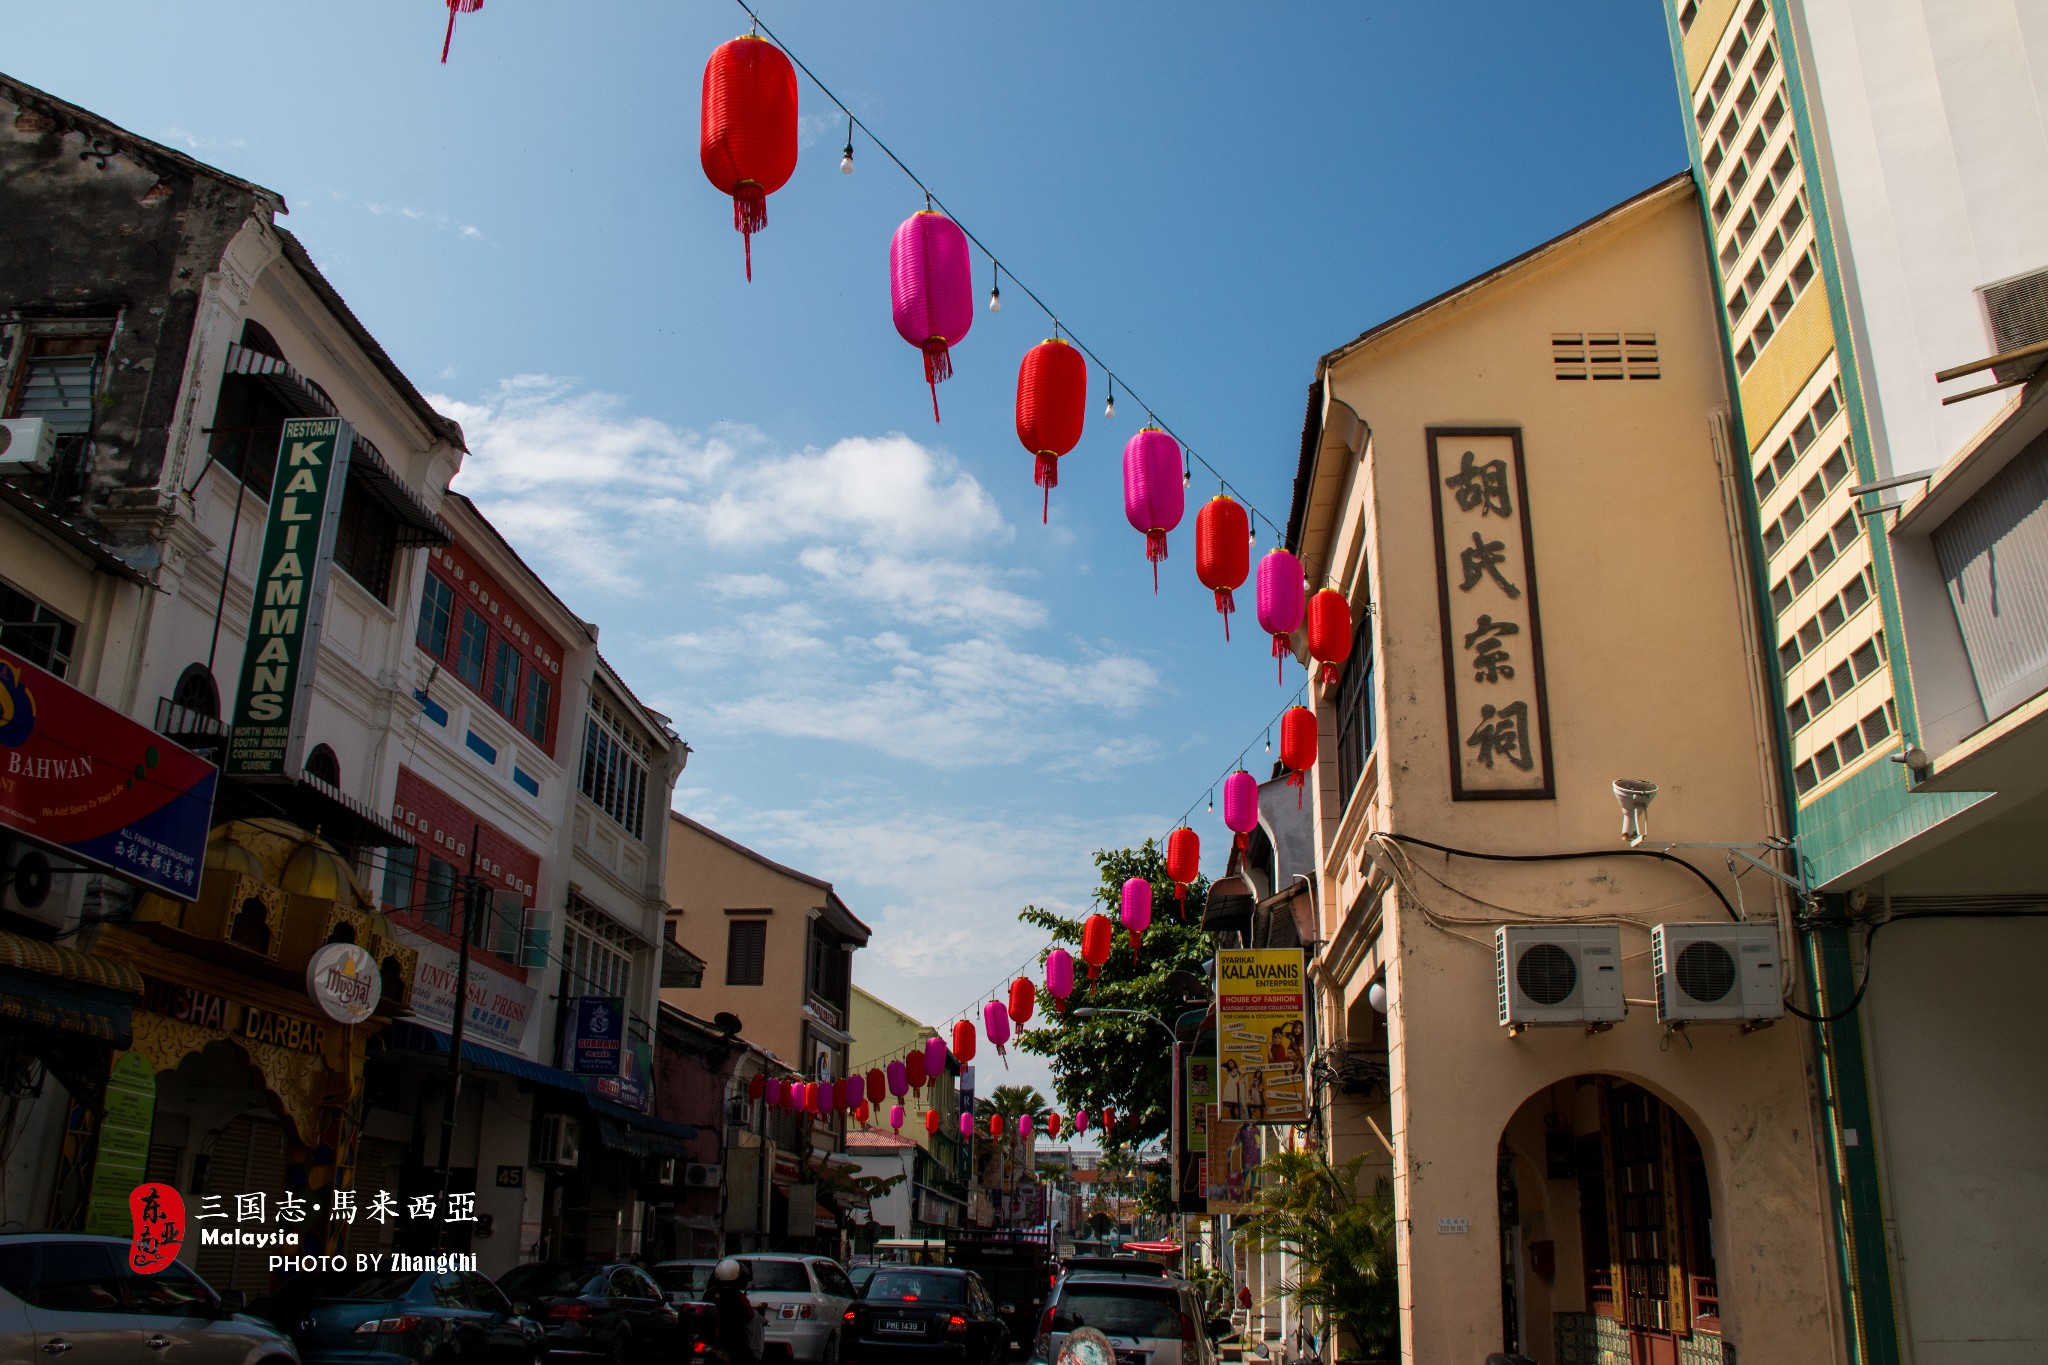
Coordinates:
(472,893)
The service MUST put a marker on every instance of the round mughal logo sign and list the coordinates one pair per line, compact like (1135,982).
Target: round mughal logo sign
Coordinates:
(344,982)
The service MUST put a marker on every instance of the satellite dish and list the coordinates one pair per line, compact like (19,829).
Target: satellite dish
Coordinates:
(726,1022)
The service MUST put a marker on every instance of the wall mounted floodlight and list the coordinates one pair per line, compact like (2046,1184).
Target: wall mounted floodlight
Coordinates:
(1635,796)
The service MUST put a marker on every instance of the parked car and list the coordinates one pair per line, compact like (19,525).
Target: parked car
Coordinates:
(940,1314)
(806,1298)
(1148,1321)
(1139,1267)
(65,1294)
(594,1309)
(386,1318)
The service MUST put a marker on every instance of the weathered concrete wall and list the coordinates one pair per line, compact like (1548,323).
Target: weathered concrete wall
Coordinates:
(95,223)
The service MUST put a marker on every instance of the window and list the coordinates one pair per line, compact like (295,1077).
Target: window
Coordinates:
(437,615)
(197,692)
(437,907)
(746,950)
(322,763)
(400,864)
(505,681)
(470,653)
(614,773)
(35,632)
(1604,355)
(365,541)
(60,370)
(539,695)
(1356,730)
(596,955)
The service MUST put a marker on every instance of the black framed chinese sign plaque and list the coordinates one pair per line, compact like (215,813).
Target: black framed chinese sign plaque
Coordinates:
(1486,595)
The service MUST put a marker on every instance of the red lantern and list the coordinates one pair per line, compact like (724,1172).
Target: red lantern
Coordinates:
(1023,1000)
(1329,632)
(878,1084)
(1108,1122)
(465,7)
(862,1113)
(1097,936)
(963,1040)
(1183,863)
(995,1125)
(1223,551)
(1052,1126)
(913,1068)
(1298,747)
(1052,406)
(931,1121)
(748,139)
(757,1086)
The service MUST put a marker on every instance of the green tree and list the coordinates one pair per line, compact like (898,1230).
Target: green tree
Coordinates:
(1342,1242)
(1114,1061)
(1012,1102)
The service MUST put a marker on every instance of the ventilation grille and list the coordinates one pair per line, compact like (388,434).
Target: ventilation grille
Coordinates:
(2017,310)
(1604,355)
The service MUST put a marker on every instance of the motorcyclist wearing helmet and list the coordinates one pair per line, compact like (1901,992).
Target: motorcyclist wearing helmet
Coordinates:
(728,1294)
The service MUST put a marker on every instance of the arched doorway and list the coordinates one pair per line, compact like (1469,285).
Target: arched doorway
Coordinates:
(1606,1230)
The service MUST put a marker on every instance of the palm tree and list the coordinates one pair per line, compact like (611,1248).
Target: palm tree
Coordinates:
(1012,1102)
(1342,1243)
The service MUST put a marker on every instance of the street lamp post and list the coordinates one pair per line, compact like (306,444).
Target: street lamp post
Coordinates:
(1173,1091)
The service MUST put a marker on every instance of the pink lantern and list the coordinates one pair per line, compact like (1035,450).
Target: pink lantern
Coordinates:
(1024,1126)
(794,1097)
(967,1125)
(1154,496)
(995,1019)
(931,291)
(934,1058)
(1283,597)
(1059,976)
(899,1080)
(896,1117)
(821,1098)
(1080,1120)
(1137,910)
(1241,805)
(850,1093)
(772,1092)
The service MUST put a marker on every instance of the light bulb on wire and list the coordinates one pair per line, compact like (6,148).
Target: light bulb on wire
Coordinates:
(846,157)
(1109,408)
(995,297)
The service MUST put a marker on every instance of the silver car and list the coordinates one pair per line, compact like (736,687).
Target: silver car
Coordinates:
(73,1296)
(1148,1321)
(804,1299)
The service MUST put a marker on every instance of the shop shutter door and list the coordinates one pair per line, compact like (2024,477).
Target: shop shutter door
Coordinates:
(378,1165)
(247,1158)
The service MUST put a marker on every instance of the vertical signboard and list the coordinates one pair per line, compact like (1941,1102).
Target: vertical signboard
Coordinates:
(598,1037)
(1231,1172)
(1198,1102)
(1261,1037)
(289,599)
(1486,597)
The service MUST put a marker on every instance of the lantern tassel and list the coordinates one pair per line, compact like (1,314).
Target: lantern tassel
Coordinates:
(1329,674)
(1298,781)
(450,38)
(749,216)
(1180,899)
(938,366)
(1243,842)
(1226,604)
(1155,550)
(1280,653)
(1046,474)
(1137,941)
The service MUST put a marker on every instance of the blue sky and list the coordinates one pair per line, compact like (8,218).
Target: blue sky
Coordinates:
(892,675)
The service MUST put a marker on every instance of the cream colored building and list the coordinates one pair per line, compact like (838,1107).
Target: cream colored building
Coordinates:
(778,949)
(933,1199)
(1625,1193)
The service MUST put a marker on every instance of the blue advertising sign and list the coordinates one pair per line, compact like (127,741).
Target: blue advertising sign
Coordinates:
(85,779)
(635,1089)
(597,1042)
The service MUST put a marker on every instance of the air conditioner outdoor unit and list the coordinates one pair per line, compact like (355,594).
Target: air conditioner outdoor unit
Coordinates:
(2016,313)
(38,885)
(1725,972)
(664,1170)
(698,1176)
(561,1140)
(1566,974)
(26,443)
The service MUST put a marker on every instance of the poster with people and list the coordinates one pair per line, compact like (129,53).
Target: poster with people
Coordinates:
(1261,1040)
(1233,1163)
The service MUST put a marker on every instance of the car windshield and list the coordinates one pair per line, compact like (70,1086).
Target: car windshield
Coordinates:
(688,1278)
(543,1278)
(917,1285)
(860,1275)
(366,1288)
(1119,1310)
(780,1277)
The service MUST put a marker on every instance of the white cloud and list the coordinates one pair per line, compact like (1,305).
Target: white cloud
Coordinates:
(931,590)
(748,586)
(883,492)
(193,142)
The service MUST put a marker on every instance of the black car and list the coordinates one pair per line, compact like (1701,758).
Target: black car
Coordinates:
(386,1318)
(596,1310)
(914,1313)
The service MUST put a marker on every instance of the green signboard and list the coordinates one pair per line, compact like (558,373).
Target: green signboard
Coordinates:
(123,1157)
(290,594)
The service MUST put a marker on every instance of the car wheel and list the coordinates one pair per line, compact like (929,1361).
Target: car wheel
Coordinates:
(831,1355)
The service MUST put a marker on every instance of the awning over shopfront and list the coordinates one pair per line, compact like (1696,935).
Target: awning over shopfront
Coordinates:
(51,987)
(313,804)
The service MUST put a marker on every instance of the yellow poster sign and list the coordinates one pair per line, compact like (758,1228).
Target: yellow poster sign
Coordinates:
(1261,1038)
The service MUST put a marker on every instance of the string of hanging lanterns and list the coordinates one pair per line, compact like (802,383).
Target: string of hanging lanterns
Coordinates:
(931,290)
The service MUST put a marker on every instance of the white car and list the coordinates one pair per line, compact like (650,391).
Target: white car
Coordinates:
(1149,1321)
(804,1299)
